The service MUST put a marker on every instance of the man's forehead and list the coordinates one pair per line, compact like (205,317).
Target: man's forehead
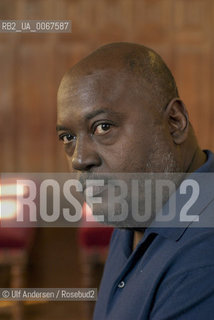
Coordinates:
(98,85)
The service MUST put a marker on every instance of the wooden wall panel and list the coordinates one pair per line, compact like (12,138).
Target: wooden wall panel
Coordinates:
(192,19)
(8,9)
(7,109)
(113,20)
(193,51)
(152,21)
(34,106)
(195,88)
(39,9)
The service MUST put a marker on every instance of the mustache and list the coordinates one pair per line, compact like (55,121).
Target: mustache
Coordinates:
(84,177)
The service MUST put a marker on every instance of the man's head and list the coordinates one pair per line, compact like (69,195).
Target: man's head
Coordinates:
(119,111)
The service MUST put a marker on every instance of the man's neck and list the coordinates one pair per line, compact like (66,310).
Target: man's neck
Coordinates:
(136,239)
(198,159)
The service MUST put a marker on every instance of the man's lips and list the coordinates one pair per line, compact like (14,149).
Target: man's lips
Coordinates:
(94,180)
(94,184)
(94,189)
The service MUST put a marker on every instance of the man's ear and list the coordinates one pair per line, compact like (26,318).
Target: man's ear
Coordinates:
(178,121)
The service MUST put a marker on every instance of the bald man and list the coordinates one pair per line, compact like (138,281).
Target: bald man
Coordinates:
(119,111)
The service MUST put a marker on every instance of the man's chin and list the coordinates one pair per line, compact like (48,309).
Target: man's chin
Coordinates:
(115,217)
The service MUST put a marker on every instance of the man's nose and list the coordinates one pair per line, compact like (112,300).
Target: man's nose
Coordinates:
(85,157)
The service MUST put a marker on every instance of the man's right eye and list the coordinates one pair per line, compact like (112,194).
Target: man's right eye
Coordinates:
(66,138)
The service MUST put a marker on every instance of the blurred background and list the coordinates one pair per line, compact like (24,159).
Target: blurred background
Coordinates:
(31,66)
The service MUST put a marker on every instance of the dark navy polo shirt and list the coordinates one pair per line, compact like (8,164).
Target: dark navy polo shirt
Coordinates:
(169,275)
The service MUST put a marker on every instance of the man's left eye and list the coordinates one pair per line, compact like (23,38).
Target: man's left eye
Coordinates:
(102,128)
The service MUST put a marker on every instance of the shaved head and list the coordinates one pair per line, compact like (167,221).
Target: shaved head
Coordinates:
(144,66)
